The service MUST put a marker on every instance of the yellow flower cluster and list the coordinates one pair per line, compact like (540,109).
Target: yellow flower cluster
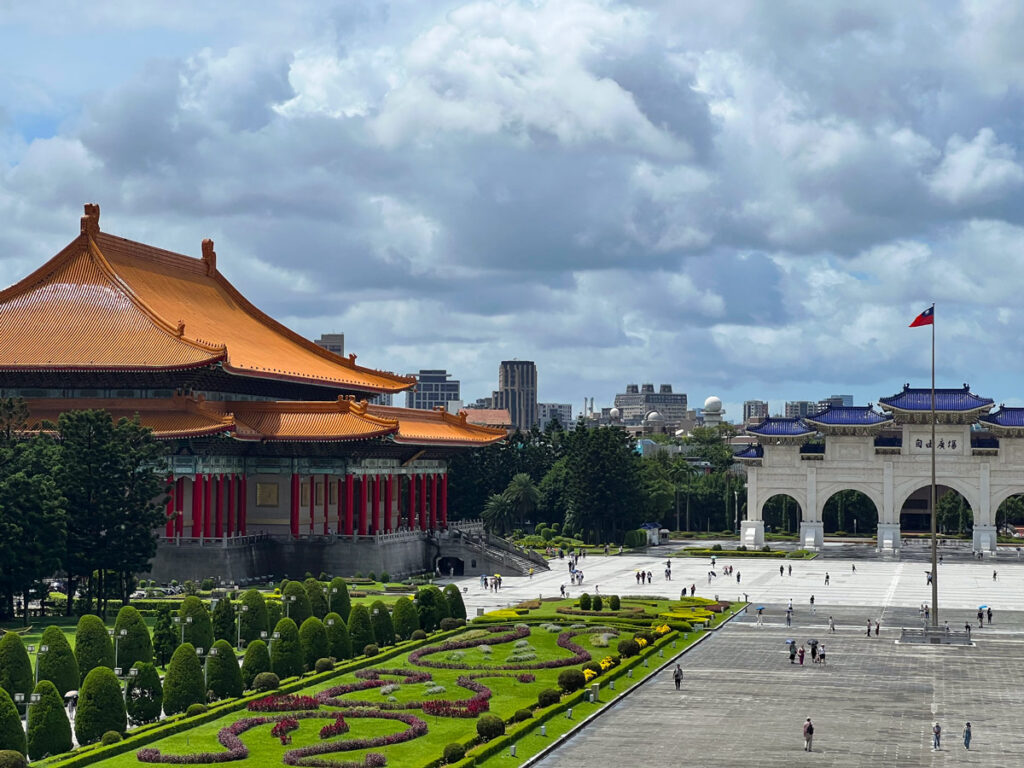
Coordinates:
(642,642)
(589,674)
(664,629)
(607,663)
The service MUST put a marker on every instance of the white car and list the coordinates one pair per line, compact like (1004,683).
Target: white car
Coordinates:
(138,594)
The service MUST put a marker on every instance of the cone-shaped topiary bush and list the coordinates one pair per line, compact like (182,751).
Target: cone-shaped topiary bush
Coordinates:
(183,683)
(58,664)
(198,632)
(405,619)
(314,642)
(431,606)
(337,636)
(360,629)
(12,735)
(93,647)
(223,619)
(285,650)
(297,609)
(10,758)
(255,661)
(275,612)
(15,667)
(317,598)
(254,615)
(145,697)
(380,618)
(135,645)
(340,602)
(613,603)
(223,677)
(100,706)
(456,608)
(165,636)
(49,730)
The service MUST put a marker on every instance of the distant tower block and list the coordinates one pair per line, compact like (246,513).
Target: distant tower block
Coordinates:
(713,411)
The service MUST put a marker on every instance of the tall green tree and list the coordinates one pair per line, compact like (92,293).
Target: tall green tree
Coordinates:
(405,618)
(523,496)
(223,677)
(285,649)
(165,636)
(604,486)
(224,627)
(317,598)
(93,647)
(339,600)
(296,601)
(58,664)
(337,636)
(498,514)
(132,640)
(256,660)
(360,629)
(253,615)
(49,730)
(183,683)
(196,622)
(456,608)
(383,628)
(15,666)
(100,706)
(12,735)
(144,698)
(314,642)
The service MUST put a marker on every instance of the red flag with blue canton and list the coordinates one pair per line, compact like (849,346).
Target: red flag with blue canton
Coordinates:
(925,318)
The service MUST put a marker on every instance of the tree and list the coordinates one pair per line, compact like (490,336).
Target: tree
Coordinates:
(12,735)
(198,631)
(285,650)
(223,676)
(92,645)
(58,664)
(183,683)
(360,629)
(135,645)
(165,636)
(317,599)
(274,613)
(340,601)
(253,616)
(145,695)
(603,483)
(383,629)
(405,618)
(49,730)
(296,601)
(554,495)
(106,474)
(456,608)
(255,661)
(224,627)
(429,607)
(337,636)
(314,642)
(15,667)
(523,496)
(100,706)
(498,514)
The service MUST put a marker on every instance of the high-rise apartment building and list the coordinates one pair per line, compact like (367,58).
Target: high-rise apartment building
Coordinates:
(798,409)
(433,388)
(836,401)
(517,391)
(546,412)
(755,409)
(638,401)
(332,342)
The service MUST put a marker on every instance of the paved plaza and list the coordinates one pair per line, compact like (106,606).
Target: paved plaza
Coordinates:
(743,703)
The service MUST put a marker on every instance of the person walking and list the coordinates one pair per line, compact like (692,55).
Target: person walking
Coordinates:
(876,628)
(760,617)
(790,571)
(993,575)
(677,675)
(792,653)
(789,617)
(781,570)
(869,627)
(814,653)
(936,736)
(813,612)
(831,624)
(800,655)
(988,615)
(737,577)
(967,736)
(808,735)
(821,654)
(854,567)
(826,578)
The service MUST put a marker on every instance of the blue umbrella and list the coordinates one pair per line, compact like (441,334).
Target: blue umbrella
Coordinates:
(790,641)
(982,607)
(759,608)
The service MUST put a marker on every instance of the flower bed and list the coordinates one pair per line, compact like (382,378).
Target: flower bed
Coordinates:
(284,703)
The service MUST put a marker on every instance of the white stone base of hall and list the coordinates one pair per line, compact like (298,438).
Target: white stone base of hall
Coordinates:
(889,538)
(812,535)
(752,533)
(984,538)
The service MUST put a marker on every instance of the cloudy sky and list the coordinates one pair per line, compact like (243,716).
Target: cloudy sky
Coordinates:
(746,199)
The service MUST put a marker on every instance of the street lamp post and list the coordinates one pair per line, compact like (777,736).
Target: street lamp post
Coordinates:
(243,610)
(330,591)
(117,643)
(132,674)
(287,606)
(273,637)
(736,504)
(206,665)
(42,649)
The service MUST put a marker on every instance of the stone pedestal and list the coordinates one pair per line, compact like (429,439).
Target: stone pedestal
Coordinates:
(984,538)
(812,535)
(888,537)
(752,533)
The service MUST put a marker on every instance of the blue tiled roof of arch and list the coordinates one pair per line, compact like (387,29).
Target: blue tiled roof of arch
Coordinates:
(1004,417)
(750,452)
(856,415)
(775,426)
(920,399)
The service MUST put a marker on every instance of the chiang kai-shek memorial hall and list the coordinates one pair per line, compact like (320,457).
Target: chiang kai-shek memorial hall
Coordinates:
(272,440)
(885,454)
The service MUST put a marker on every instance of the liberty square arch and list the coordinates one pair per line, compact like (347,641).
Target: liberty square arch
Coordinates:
(887,457)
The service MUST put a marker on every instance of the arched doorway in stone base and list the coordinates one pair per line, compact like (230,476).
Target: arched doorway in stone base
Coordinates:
(782,513)
(955,515)
(849,512)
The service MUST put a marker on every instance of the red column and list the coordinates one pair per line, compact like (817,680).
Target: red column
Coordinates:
(218,505)
(423,502)
(349,492)
(444,500)
(208,505)
(197,506)
(232,502)
(327,499)
(389,482)
(412,502)
(179,502)
(169,528)
(375,504)
(433,501)
(241,505)
(312,501)
(339,529)
(295,504)
(362,505)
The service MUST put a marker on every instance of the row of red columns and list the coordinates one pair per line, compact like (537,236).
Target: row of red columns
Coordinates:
(218,506)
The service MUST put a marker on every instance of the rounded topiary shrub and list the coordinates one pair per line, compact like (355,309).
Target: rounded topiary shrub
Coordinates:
(145,698)
(405,618)
(547,697)
(93,647)
(317,598)
(570,680)
(383,627)
(521,715)
(360,628)
(285,650)
(454,752)
(135,644)
(371,650)
(12,736)
(385,577)
(10,758)
(337,636)
(49,730)
(456,608)
(597,604)
(255,662)
(266,681)
(100,706)
(339,600)
(223,677)
(490,727)
(323,665)
(419,634)
(613,603)
(254,616)
(58,664)
(314,642)
(199,631)
(449,623)
(584,602)
(15,667)
(183,684)
(110,737)
(628,647)
(296,601)
(196,709)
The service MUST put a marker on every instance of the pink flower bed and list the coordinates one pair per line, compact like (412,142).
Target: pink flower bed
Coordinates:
(284,703)
(338,727)
(580,654)
(283,727)
(311,756)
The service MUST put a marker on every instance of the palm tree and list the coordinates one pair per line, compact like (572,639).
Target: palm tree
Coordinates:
(497,513)
(523,496)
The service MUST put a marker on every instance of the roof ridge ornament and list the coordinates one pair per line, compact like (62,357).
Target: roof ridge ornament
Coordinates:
(180,328)
(91,220)
(209,256)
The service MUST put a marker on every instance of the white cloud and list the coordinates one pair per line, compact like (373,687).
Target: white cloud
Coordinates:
(976,171)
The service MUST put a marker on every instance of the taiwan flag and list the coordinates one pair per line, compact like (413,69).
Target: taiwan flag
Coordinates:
(925,318)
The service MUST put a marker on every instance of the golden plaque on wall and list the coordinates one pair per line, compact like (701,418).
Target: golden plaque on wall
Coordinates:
(266,494)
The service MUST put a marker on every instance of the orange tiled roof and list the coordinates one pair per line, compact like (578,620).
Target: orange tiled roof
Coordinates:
(419,427)
(107,302)
(489,417)
(169,418)
(304,421)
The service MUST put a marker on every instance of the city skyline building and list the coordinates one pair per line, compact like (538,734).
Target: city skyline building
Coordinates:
(755,409)
(434,387)
(332,342)
(517,392)
(561,411)
(638,401)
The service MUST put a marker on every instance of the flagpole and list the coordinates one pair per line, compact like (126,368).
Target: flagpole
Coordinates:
(935,570)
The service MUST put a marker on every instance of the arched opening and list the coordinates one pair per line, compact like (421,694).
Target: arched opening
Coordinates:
(850,513)
(954,515)
(451,566)
(781,514)
(1010,517)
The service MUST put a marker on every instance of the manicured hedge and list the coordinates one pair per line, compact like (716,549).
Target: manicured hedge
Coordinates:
(58,664)
(380,619)
(12,736)
(299,609)
(360,628)
(100,706)
(15,667)
(255,661)
(285,650)
(337,636)
(254,620)
(317,598)
(340,601)
(198,633)
(136,644)
(145,696)
(456,608)
(223,677)
(183,683)
(314,642)
(405,619)
(49,730)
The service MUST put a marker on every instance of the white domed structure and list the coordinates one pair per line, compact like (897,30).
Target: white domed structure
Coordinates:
(654,417)
(614,414)
(713,411)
